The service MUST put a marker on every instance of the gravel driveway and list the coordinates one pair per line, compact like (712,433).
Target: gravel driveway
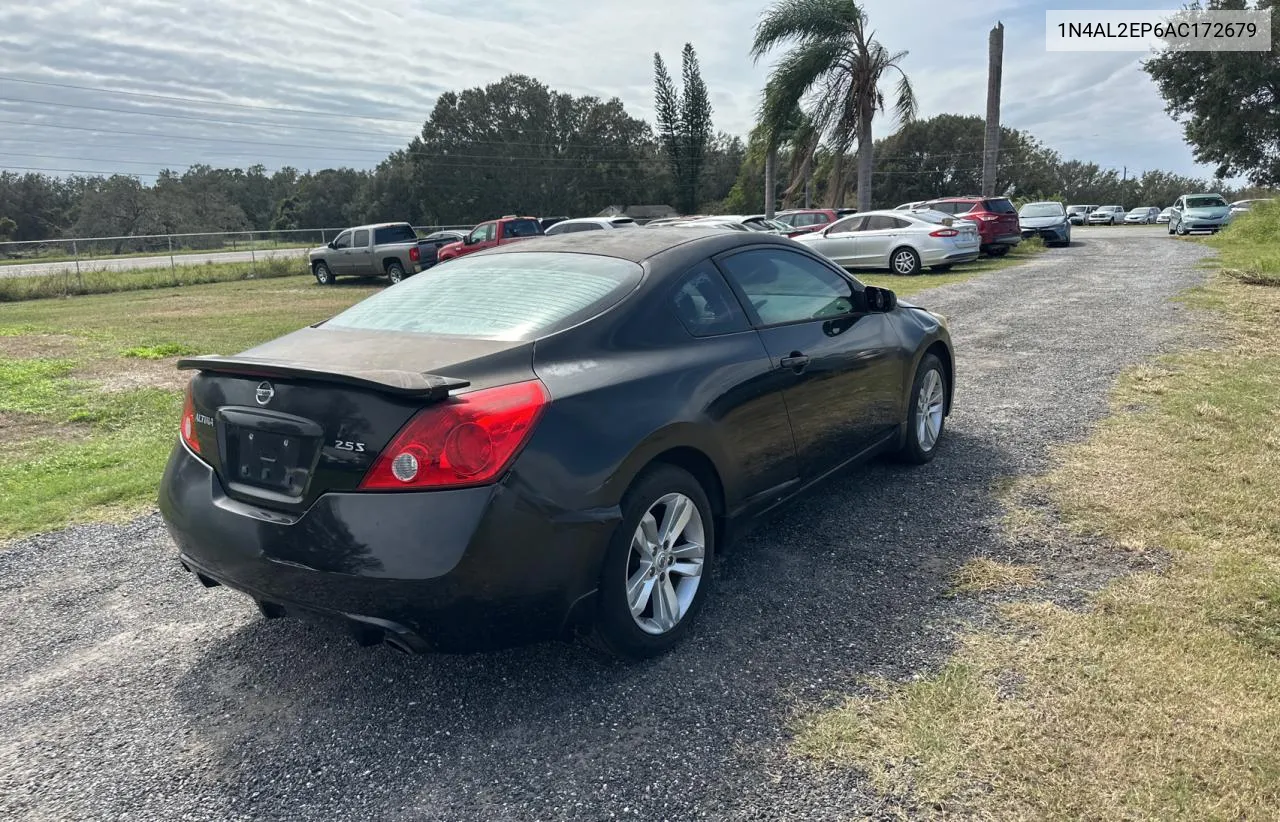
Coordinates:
(130,692)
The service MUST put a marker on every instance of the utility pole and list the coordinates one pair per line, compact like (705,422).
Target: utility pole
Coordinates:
(770,189)
(991,144)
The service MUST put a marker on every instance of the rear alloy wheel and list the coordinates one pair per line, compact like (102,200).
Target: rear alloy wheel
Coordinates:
(653,581)
(927,413)
(323,275)
(395,272)
(906,262)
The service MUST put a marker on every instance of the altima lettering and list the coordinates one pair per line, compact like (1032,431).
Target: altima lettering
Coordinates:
(348,445)
(204,419)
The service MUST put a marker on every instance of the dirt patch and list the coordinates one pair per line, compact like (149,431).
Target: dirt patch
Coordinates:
(32,346)
(18,431)
(119,374)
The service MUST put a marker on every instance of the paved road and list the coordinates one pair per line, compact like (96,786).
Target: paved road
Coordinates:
(127,690)
(126,263)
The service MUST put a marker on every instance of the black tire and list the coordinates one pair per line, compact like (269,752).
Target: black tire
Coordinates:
(1182,230)
(322,274)
(999,250)
(616,632)
(1171,228)
(905,261)
(395,273)
(913,450)
(940,269)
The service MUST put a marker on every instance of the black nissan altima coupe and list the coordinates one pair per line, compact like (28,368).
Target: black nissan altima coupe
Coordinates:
(548,439)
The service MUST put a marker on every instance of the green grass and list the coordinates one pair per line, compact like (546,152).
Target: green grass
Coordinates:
(159,352)
(1249,248)
(1161,698)
(906,286)
(67,284)
(85,451)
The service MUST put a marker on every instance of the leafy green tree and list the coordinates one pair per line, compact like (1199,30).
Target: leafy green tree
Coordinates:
(684,125)
(1227,101)
(834,61)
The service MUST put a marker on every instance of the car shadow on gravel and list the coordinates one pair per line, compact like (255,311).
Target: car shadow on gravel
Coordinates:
(846,582)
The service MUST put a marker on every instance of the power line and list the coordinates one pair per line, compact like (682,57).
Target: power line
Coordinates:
(253,124)
(205,102)
(381,151)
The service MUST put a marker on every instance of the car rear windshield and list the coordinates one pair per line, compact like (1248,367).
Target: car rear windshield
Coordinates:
(522,228)
(1041,210)
(394,234)
(1000,205)
(505,296)
(1206,202)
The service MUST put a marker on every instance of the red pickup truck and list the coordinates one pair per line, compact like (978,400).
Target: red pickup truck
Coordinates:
(491,234)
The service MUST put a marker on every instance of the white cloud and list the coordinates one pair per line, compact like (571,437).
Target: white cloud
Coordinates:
(391,59)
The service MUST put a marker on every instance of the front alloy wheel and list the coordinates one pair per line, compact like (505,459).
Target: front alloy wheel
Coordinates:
(926,415)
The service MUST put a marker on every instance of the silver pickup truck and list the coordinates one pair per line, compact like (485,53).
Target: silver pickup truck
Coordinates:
(392,250)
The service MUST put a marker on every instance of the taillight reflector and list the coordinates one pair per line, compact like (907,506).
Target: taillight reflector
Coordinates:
(944,232)
(468,440)
(188,426)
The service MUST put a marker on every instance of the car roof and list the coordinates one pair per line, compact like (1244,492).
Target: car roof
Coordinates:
(1203,194)
(1043,202)
(375,225)
(639,246)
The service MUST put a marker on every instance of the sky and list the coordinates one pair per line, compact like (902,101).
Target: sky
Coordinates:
(375,68)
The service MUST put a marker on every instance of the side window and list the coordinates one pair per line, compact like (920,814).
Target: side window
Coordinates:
(848,224)
(898,222)
(482,233)
(880,222)
(706,306)
(343,240)
(785,286)
(361,239)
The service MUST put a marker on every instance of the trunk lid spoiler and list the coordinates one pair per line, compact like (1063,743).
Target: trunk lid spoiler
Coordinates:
(387,381)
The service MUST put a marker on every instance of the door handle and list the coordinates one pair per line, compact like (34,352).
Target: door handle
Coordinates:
(796,361)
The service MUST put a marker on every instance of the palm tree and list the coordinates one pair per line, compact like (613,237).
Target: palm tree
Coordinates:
(836,66)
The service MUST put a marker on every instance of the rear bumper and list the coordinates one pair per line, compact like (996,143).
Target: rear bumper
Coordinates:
(1002,239)
(459,570)
(944,256)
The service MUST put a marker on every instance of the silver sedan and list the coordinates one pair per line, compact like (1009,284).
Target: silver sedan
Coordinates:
(902,241)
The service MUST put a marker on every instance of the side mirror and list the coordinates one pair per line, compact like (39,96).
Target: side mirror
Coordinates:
(879,300)
(468,240)
(332,244)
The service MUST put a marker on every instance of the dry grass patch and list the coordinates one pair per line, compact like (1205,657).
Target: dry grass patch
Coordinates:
(31,346)
(1162,698)
(114,375)
(983,574)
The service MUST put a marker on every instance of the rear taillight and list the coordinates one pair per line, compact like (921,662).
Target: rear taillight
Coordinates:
(469,440)
(415,254)
(944,232)
(188,427)
(986,218)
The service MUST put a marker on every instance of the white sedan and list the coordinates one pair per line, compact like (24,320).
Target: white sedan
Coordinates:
(589,224)
(902,241)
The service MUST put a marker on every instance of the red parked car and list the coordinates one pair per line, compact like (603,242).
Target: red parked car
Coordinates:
(996,218)
(491,234)
(808,220)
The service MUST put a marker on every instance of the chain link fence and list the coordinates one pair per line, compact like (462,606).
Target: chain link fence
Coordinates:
(80,254)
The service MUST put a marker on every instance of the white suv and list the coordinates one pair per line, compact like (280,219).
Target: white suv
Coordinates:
(1107,215)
